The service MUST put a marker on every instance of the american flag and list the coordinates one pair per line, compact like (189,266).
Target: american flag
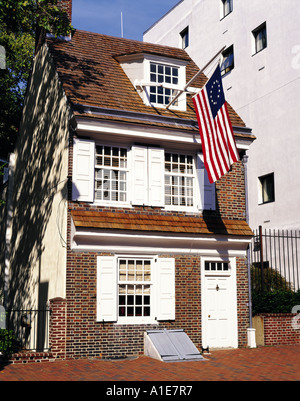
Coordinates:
(218,143)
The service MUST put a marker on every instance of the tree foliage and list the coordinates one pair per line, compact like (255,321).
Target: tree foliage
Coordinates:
(23,26)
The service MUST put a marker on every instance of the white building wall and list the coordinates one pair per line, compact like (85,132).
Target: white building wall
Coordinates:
(263,88)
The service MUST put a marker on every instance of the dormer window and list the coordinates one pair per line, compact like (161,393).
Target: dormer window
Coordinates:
(157,79)
(163,74)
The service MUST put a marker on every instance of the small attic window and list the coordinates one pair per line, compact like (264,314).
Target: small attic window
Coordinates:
(163,74)
(156,78)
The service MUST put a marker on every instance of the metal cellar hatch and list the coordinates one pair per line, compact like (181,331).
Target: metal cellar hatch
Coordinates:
(170,346)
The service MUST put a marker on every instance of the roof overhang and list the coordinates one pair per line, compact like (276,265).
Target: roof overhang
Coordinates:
(127,125)
(97,240)
(135,233)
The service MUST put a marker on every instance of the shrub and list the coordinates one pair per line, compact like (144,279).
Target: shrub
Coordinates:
(272,280)
(8,343)
(277,301)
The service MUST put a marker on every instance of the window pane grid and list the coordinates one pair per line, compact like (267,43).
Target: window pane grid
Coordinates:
(160,74)
(179,180)
(134,300)
(134,287)
(216,266)
(110,173)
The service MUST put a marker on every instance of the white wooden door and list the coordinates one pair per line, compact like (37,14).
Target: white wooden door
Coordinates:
(219,310)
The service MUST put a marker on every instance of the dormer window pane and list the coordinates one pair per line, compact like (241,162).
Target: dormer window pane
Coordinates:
(162,74)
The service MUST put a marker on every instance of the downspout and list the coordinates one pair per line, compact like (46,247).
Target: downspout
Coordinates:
(251,331)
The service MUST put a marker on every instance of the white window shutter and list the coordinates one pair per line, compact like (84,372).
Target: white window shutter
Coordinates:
(156,161)
(106,289)
(166,289)
(83,170)
(139,175)
(207,191)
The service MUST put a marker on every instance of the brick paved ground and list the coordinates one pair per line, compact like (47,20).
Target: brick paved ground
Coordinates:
(260,364)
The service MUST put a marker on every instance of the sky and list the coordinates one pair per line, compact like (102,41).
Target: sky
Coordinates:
(104,16)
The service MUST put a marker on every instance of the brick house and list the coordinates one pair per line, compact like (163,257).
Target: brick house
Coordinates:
(113,217)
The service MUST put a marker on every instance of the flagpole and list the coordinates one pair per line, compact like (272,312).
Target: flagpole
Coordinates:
(194,77)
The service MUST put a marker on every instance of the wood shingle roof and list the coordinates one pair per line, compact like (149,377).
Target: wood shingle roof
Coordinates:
(92,76)
(159,223)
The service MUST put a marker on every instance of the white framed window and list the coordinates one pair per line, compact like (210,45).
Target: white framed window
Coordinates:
(134,287)
(163,74)
(179,180)
(163,78)
(226,8)
(157,79)
(259,38)
(110,174)
(135,290)
(216,266)
(140,176)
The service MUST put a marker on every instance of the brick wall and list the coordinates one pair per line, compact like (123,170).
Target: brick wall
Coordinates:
(242,301)
(88,338)
(278,329)
(230,192)
(58,327)
(66,5)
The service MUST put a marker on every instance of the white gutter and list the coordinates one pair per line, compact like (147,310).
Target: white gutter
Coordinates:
(99,240)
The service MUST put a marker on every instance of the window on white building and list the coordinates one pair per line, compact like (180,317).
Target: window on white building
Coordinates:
(266,188)
(228,61)
(184,35)
(226,7)
(259,38)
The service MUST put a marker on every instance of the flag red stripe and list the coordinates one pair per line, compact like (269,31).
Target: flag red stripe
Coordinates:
(218,143)
(210,134)
(202,128)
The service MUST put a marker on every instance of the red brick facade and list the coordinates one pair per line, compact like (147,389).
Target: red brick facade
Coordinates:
(66,5)
(58,327)
(279,330)
(88,338)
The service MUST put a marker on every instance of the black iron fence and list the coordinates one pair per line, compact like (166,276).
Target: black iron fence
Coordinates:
(27,330)
(275,260)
